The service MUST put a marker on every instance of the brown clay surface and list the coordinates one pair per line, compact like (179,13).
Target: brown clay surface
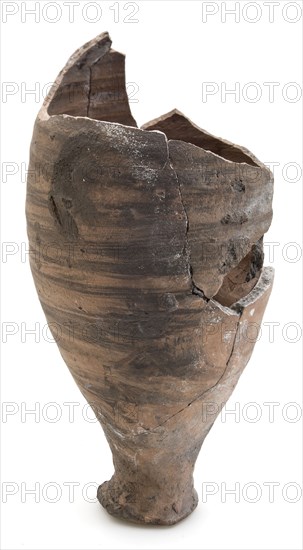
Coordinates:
(146,251)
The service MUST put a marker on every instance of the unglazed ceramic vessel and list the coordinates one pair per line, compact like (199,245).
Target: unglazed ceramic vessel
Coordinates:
(146,251)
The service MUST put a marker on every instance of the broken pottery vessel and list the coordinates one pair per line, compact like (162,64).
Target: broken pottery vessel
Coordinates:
(146,251)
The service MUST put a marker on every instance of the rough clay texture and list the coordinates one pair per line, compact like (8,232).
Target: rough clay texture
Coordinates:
(146,250)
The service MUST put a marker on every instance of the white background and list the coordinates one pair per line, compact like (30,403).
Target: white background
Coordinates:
(170,53)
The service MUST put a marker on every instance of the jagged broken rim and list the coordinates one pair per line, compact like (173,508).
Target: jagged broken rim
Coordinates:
(77,76)
(88,55)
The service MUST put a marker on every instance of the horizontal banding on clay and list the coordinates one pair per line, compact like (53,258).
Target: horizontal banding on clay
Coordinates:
(146,247)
